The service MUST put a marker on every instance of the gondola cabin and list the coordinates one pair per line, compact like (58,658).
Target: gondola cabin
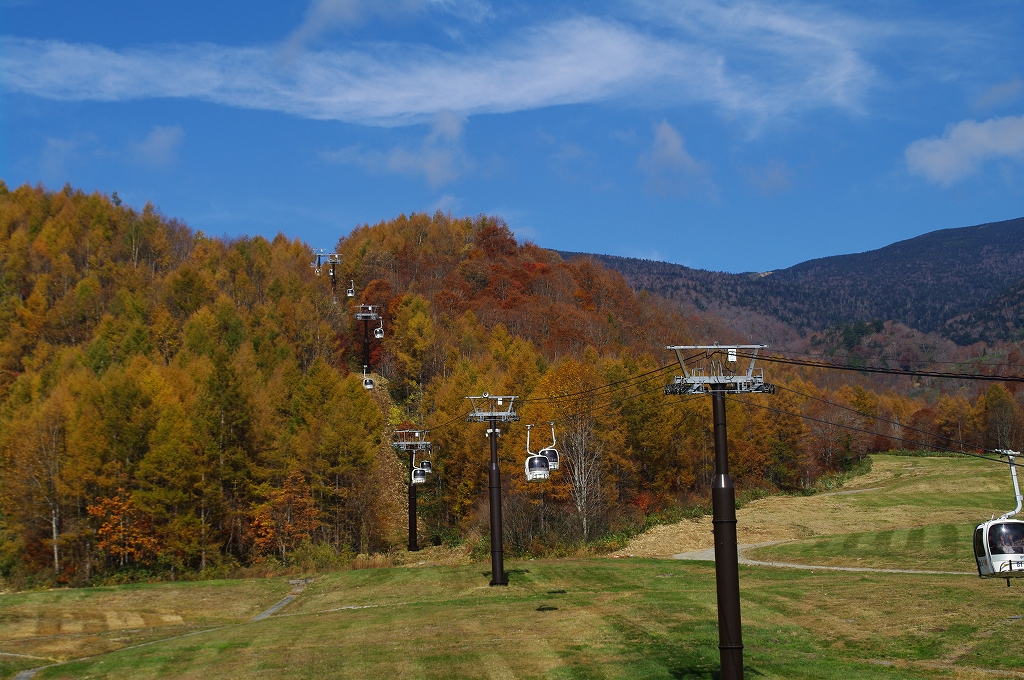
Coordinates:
(537,468)
(999,543)
(426,466)
(419,476)
(999,549)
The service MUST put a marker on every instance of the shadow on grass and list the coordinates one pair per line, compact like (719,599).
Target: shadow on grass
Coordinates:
(508,572)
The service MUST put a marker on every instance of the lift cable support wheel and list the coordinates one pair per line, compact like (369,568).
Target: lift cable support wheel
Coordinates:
(717,374)
(411,442)
(493,410)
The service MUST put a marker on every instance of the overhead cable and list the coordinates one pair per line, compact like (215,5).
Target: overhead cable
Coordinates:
(889,371)
(867,415)
(859,429)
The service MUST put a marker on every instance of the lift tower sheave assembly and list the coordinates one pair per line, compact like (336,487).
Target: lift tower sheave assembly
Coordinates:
(718,378)
(493,410)
(411,441)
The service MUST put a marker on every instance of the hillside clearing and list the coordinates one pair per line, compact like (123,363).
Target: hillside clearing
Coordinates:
(898,493)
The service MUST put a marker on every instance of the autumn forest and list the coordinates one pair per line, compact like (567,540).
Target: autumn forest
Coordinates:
(175,405)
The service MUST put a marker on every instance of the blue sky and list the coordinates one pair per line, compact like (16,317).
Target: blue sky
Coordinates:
(738,136)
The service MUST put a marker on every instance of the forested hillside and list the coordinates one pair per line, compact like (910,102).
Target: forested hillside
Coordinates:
(174,405)
(923,282)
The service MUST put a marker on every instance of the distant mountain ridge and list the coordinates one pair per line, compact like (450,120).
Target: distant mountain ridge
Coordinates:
(964,282)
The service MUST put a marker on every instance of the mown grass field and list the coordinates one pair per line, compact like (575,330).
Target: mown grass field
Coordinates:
(580,618)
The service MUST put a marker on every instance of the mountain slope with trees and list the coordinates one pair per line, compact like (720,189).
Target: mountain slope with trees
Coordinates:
(923,282)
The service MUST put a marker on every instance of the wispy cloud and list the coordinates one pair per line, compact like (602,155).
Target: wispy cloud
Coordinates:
(670,168)
(964,147)
(778,57)
(772,179)
(159,147)
(744,58)
(1001,93)
(439,159)
(324,16)
(56,154)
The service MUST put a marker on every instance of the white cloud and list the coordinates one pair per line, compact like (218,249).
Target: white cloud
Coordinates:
(159,147)
(439,159)
(964,147)
(743,58)
(670,167)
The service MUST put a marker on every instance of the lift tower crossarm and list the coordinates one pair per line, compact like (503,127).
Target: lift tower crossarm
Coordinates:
(703,381)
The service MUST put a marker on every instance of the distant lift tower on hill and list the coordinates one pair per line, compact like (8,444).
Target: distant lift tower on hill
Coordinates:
(413,442)
(366,314)
(718,377)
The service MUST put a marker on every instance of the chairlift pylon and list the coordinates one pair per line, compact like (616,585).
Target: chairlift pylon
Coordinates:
(999,543)
(550,452)
(536,466)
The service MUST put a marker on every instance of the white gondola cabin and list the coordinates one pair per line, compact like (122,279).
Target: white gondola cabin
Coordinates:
(536,467)
(367,380)
(999,543)
(550,452)
(419,476)
(351,292)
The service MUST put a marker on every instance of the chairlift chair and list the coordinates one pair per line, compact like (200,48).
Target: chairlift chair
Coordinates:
(367,380)
(550,452)
(379,331)
(999,543)
(536,467)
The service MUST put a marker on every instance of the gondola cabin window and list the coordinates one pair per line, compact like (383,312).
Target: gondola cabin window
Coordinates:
(1006,539)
